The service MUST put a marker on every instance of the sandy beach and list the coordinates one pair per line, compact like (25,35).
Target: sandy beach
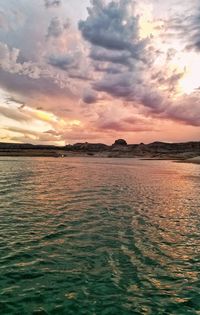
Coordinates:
(195,160)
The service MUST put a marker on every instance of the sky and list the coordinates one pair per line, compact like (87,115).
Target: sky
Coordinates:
(79,70)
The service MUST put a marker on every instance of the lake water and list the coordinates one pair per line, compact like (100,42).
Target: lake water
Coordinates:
(99,236)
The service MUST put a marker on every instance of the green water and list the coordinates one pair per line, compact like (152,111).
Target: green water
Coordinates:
(99,236)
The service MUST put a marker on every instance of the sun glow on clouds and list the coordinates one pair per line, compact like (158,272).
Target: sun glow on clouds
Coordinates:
(146,24)
(64,123)
(45,116)
(186,62)
(22,123)
(19,122)
(189,62)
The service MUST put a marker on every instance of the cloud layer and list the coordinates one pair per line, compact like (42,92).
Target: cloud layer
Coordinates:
(118,68)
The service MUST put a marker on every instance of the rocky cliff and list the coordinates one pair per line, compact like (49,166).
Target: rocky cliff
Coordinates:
(119,148)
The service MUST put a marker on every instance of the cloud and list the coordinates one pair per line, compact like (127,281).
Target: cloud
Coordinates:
(14,113)
(28,86)
(35,137)
(186,109)
(12,99)
(52,132)
(57,27)
(89,96)
(130,65)
(123,126)
(65,61)
(116,57)
(124,58)
(23,113)
(117,85)
(123,118)
(185,26)
(9,62)
(8,58)
(52,3)
(194,31)
(114,27)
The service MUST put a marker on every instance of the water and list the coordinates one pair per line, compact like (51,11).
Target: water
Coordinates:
(99,236)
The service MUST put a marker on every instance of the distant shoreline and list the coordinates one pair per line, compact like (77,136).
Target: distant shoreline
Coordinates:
(177,159)
(195,160)
(183,152)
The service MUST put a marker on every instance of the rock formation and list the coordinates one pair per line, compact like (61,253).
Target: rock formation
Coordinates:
(120,142)
(120,148)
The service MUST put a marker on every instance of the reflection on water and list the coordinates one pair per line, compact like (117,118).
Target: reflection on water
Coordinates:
(99,236)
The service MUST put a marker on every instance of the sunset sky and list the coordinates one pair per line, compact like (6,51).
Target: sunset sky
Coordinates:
(79,70)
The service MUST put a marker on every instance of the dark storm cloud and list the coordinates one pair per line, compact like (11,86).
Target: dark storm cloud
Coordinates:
(130,87)
(98,67)
(127,62)
(112,27)
(117,85)
(116,48)
(64,62)
(104,55)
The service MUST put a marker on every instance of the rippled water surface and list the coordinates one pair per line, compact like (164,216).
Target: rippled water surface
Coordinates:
(99,236)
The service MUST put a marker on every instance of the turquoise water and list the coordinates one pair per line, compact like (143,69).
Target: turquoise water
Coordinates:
(99,236)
